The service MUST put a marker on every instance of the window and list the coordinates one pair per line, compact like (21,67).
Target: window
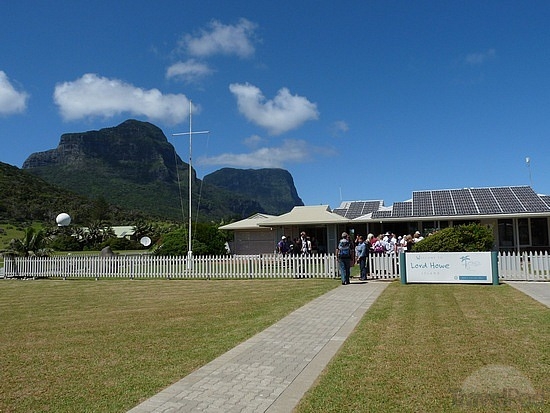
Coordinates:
(539,232)
(505,233)
(523,231)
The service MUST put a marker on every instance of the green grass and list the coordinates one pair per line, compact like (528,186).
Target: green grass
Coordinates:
(442,348)
(105,346)
(9,232)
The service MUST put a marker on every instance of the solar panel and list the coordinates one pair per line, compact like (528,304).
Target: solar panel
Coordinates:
(507,200)
(340,211)
(422,204)
(356,209)
(402,209)
(453,202)
(529,199)
(545,199)
(443,203)
(382,214)
(463,202)
(485,201)
(370,206)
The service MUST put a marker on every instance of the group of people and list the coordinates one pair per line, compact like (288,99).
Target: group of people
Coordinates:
(302,245)
(387,243)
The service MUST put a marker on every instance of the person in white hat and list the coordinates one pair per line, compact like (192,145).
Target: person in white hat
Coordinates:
(282,246)
(417,237)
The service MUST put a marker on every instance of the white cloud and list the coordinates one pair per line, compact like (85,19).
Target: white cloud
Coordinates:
(11,100)
(338,128)
(285,112)
(254,141)
(290,152)
(479,58)
(92,95)
(222,39)
(189,71)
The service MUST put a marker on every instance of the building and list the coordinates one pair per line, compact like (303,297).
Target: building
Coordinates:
(517,215)
(260,233)
(251,238)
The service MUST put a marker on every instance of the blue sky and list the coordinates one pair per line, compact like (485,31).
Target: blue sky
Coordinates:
(358,100)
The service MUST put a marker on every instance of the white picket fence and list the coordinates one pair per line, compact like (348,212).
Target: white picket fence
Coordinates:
(526,266)
(149,266)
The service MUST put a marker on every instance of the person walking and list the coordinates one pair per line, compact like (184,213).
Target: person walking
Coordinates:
(361,256)
(343,252)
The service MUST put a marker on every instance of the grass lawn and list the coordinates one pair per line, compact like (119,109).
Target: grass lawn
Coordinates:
(442,348)
(105,346)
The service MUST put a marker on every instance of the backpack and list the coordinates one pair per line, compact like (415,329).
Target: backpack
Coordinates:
(344,249)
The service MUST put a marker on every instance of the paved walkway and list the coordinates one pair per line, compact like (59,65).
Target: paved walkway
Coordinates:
(271,371)
(540,291)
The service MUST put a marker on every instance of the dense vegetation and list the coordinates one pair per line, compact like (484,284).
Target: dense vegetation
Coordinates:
(166,239)
(470,238)
(25,198)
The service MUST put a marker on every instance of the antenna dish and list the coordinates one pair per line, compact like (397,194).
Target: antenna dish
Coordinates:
(145,241)
(63,220)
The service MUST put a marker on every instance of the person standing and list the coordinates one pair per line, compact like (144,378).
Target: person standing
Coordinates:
(343,252)
(282,246)
(305,244)
(361,255)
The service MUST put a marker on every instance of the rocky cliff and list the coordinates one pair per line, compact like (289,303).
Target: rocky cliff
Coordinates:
(133,165)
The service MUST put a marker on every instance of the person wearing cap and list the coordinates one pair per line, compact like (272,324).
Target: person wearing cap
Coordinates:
(282,246)
(343,253)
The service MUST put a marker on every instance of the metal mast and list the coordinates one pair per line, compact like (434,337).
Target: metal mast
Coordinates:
(190,133)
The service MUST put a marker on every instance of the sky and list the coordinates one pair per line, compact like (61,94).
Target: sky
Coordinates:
(358,100)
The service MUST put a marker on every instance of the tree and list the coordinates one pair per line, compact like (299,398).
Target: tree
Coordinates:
(97,233)
(469,238)
(207,240)
(172,243)
(33,244)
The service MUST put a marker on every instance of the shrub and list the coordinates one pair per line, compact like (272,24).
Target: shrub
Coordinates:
(469,238)
(207,240)
(65,242)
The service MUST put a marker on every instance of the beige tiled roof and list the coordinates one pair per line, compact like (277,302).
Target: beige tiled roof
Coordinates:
(304,215)
(251,222)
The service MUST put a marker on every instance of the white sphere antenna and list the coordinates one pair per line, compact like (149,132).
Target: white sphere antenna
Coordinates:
(63,219)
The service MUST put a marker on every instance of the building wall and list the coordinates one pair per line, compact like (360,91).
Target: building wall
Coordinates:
(247,242)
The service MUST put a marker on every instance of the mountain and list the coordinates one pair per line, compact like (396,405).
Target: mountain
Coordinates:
(272,188)
(134,166)
(25,197)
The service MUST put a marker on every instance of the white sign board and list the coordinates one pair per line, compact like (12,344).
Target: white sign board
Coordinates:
(449,267)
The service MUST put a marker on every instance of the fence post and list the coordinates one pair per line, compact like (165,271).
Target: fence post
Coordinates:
(403,267)
(494,262)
